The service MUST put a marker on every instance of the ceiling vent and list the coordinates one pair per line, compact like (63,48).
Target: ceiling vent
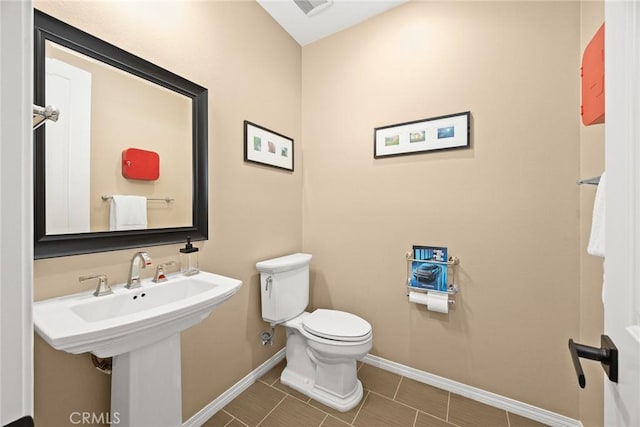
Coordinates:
(313,7)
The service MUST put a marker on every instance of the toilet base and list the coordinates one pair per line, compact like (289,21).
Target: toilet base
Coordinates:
(309,388)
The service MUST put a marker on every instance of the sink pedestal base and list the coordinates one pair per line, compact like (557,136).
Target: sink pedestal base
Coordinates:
(146,388)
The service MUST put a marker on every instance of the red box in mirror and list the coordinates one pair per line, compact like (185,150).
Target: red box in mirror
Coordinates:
(140,164)
(592,72)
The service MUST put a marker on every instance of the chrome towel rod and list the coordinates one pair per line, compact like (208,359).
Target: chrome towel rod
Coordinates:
(452,260)
(164,199)
(593,181)
(42,114)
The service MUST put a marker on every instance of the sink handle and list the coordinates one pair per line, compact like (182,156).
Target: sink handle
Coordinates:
(159,276)
(103,287)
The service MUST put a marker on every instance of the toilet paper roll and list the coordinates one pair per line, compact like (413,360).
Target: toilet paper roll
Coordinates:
(418,298)
(437,302)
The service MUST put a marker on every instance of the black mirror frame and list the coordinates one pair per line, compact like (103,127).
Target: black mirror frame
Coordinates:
(49,246)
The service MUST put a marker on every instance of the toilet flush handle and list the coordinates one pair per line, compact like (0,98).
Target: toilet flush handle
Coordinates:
(267,283)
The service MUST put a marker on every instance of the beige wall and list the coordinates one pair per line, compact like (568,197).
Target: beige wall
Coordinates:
(508,207)
(591,309)
(252,71)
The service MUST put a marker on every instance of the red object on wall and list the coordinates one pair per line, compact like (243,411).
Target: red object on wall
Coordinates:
(140,164)
(592,73)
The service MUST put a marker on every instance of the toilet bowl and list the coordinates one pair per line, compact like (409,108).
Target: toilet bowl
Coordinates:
(322,346)
(321,362)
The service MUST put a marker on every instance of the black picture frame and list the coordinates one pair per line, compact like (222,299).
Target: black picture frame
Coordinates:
(451,131)
(266,147)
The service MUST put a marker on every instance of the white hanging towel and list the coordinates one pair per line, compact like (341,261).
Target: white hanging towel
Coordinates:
(597,238)
(128,213)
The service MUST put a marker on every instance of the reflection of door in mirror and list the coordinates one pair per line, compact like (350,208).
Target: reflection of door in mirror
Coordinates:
(119,111)
(67,153)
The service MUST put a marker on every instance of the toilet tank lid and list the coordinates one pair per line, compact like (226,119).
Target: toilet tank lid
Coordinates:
(284,263)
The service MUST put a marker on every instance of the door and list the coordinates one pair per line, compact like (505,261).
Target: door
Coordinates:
(68,149)
(16,210)
(622,262)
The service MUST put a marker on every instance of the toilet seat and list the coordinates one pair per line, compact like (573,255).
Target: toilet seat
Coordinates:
(336,325)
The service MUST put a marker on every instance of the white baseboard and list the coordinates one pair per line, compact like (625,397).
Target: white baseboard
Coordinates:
(221,401)
(486,397)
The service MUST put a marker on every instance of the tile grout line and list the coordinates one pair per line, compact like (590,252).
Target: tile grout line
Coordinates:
(275,381)
(233,418)
(360,408)
(308,402)
(238,420)
(415,419)
(369,392)
(411,407)
(446,418)
(326,415)
(273,409)
(397,388)
(436,417)
(398,402)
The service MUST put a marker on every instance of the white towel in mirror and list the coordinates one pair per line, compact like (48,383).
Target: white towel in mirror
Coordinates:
(597,238)
(128,213)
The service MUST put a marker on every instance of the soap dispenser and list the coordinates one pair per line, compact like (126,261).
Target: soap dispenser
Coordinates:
(189,259)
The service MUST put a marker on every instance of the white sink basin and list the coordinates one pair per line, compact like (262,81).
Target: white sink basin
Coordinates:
(130,318)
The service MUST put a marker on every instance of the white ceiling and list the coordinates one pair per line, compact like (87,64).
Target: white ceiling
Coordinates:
(338,16)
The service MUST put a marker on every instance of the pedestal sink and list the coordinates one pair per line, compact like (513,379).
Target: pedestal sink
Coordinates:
(140,328)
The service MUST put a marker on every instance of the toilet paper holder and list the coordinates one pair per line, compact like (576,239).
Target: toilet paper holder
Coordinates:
(452,287)
(451,291)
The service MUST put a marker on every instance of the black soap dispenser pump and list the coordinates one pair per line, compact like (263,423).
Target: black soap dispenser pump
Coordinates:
(189,259)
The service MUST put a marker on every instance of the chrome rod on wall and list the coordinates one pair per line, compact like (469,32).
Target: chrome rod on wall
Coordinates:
(164,199)
(593,181)
(42,114)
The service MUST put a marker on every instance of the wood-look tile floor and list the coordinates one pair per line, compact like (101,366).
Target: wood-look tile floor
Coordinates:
(390,400)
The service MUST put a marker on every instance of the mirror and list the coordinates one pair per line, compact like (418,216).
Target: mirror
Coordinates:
(127,128)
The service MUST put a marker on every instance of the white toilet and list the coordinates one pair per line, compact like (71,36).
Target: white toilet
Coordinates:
(323,346)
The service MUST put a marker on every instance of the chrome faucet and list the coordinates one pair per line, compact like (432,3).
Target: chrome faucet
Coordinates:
(134,270)
(103,284)
(159,276)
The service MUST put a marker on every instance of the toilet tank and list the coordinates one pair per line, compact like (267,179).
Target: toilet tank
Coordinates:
(284,287)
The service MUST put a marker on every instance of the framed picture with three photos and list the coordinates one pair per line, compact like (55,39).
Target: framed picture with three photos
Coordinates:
(436,133)
(266,147)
